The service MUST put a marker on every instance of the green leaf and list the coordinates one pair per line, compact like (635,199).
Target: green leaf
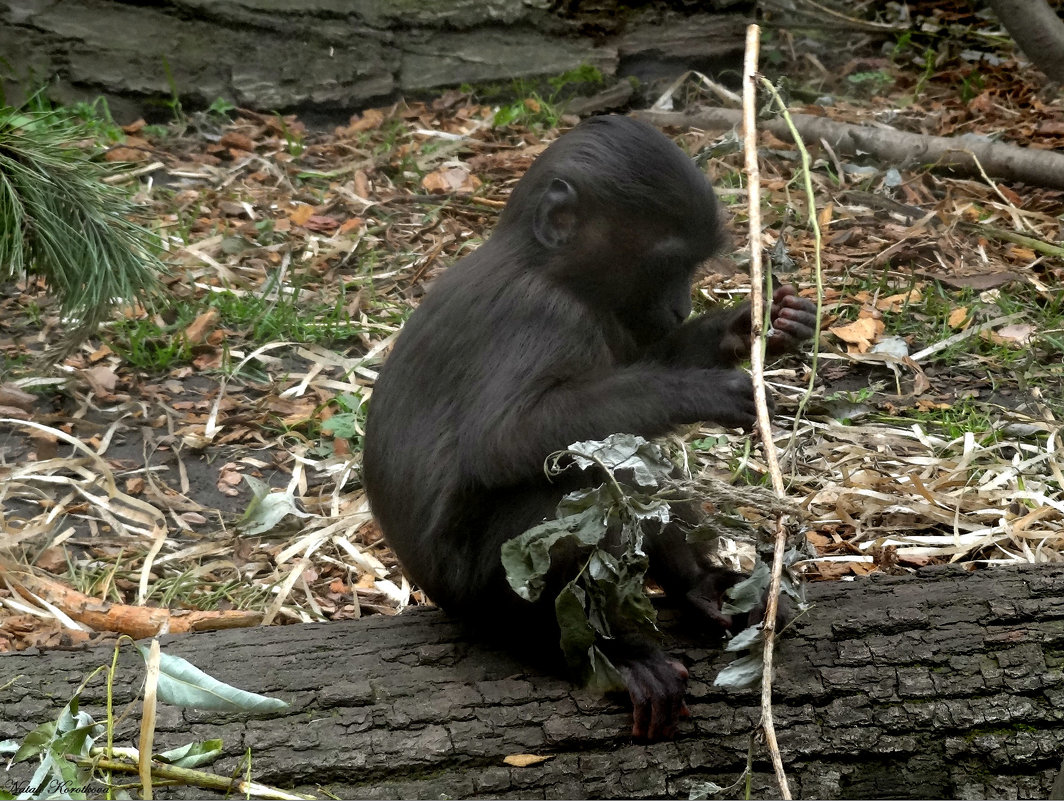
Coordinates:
(192,755)
(344,425)
(183,684)
(507,114)
(577,636)
(35,742)
(266,508)
(64,777)
(77,741)
(748,593)
(526,557)
(644,461)
(747,638)
(604,678)
(740,674)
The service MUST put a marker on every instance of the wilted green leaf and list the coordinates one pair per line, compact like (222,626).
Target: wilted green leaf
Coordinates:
(577,636)
(57,777)
(701,791)
(267,508)
(748,593)
(646,461)
(526,558)
(78,741)
(742,673)
(604,676)
(183,684)
(192,755)
(747,638)
(73,732)
(602,530)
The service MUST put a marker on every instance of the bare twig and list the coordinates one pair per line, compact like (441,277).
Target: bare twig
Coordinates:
(757,314)
(810,200)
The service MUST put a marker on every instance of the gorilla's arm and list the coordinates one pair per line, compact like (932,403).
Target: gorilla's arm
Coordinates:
(721,338)
(645,399)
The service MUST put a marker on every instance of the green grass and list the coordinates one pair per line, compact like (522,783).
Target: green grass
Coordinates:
(151,346)
(535,106)
(143,344)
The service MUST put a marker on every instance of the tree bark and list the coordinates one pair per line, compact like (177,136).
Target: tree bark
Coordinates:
(1039,32)
(947,684)
(332,57)
(891,147)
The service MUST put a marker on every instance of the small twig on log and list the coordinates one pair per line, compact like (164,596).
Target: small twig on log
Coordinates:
(898,148)
(757,366)
(125,760)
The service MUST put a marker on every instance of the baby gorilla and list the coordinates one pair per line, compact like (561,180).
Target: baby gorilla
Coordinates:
(568,324)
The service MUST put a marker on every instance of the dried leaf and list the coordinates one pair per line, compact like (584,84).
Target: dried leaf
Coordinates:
(197,331)
(237,141)
(524,760)
(301,213)
(1018,335)
(957,317)
(321,223)
(861,333)
(450,179)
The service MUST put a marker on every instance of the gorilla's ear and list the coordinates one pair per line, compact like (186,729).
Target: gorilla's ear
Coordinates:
(555,222)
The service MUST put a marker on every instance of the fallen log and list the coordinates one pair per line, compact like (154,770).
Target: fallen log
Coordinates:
(946,684)
(891,147)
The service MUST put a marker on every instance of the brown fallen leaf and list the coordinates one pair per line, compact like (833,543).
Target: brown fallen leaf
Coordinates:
(350,224)
(197,331)
(524,760)
(52,560)
(126,154)
(371,118)
(450,179)
(862,333)
(957,317)
(102,379)
(361,183)
(237,141)
(14,412)
(321,223)
(301,213)
(818,540)
(1013,336)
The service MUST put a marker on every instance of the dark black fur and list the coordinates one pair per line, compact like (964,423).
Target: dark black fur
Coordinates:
(566,325)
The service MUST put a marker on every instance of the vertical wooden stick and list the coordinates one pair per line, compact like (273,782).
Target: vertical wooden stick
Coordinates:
(757,366)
